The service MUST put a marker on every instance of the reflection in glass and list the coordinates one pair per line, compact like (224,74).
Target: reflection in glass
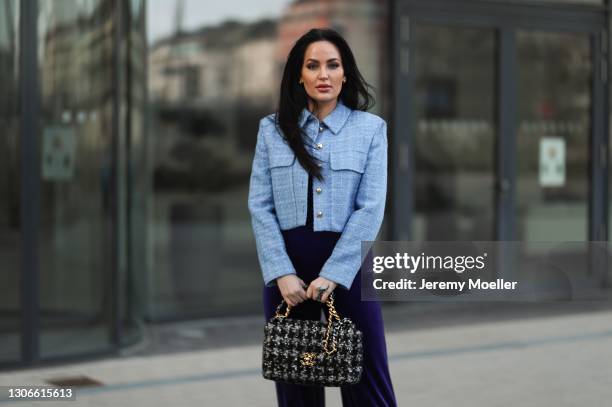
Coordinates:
(10,227)
(554,90)
(454,78)
(76,269)
(204,116)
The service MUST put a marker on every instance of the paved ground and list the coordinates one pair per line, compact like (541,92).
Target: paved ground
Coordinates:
(555,354)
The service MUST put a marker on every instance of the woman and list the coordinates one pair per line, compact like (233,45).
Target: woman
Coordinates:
(317,189)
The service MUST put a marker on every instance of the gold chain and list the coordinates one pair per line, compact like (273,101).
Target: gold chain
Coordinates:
(308,358)
(332,314)
(278,314)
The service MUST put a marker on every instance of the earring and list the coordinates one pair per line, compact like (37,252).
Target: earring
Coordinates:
(344,80)
(301,82)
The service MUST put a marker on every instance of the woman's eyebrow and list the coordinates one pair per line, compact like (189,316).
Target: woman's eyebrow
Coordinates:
(329,60)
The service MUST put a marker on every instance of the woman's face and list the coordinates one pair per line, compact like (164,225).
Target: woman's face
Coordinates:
(322,72)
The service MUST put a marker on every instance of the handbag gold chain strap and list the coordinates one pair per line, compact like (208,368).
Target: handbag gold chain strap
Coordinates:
(308,358)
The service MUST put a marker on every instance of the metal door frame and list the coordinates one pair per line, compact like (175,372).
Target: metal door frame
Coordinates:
(30,144)
(506,18)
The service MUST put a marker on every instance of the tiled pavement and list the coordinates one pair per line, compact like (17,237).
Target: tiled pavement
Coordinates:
(533,355)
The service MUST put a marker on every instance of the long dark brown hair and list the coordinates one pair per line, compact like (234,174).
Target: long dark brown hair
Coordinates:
(293,97)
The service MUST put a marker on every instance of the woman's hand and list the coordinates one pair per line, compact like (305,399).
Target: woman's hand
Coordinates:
(313,289)
(292,288)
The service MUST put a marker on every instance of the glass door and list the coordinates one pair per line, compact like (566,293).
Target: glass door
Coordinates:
(553,135)
(454,71)
(497,122)
(76,42)
(503,107)
(557,190)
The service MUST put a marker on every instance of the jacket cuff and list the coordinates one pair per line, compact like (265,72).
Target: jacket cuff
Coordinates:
(271,280)
(344,283)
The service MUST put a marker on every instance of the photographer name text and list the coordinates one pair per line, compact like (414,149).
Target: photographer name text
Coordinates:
(472,284)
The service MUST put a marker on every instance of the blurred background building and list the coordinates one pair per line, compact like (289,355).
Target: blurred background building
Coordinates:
(128,132)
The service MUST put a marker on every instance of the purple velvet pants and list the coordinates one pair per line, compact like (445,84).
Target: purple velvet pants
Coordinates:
(308,251)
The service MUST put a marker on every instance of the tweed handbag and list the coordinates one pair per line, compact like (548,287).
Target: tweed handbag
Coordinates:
(312,352)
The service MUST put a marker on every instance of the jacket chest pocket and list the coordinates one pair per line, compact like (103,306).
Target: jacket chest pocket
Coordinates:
(347,167)
(348,160)
(281,160)
(281,173)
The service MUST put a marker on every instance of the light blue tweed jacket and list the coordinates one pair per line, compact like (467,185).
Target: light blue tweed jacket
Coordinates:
(351,147)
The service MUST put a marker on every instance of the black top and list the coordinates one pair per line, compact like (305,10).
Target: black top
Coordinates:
(301,231)
(309,210)
(305,246)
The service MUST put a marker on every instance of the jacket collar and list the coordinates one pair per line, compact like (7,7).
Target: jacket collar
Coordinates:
(334,120)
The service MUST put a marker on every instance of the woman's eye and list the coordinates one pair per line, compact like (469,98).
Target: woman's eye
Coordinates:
(331,66)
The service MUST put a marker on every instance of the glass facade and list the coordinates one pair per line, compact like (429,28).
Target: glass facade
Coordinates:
(147,115)
(80,297)
(204,106)
(506,128)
